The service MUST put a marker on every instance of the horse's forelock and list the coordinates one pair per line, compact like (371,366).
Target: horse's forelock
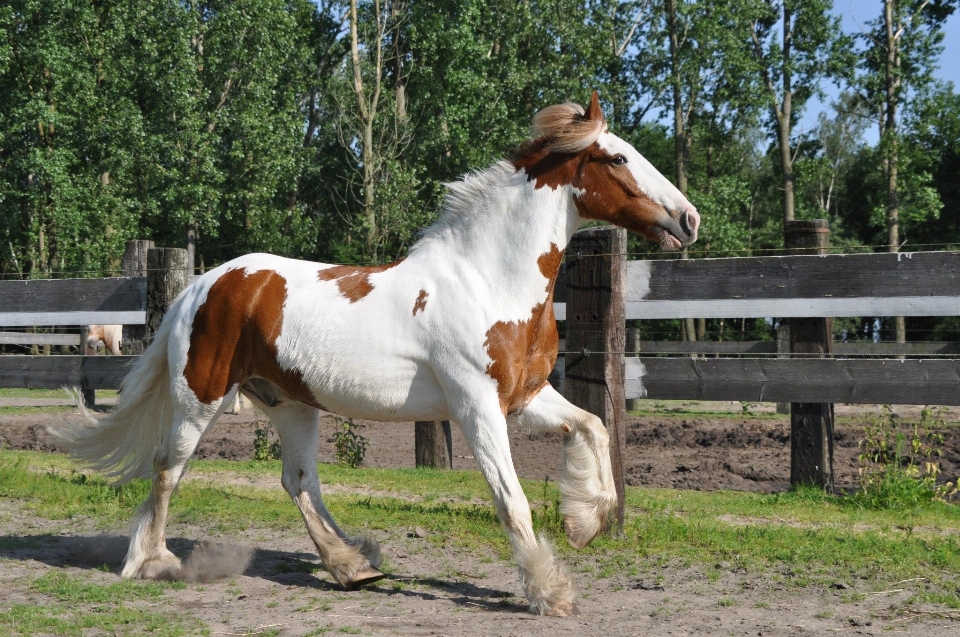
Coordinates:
(565,129)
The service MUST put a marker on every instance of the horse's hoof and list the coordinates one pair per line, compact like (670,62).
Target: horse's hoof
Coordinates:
(166,567)
(563,609)
(368,575)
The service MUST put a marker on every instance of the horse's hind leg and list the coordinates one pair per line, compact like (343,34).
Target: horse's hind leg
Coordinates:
(147,555)
(587,489)
(351,561)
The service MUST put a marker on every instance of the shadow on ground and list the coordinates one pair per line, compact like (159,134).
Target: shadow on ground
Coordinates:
(211,561)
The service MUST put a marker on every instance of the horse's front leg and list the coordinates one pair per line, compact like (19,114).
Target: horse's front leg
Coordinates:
(587,489)
(545,582)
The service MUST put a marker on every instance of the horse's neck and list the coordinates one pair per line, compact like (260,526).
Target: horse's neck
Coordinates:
(510,230)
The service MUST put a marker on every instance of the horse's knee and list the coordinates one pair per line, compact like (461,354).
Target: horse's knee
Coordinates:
(594,431)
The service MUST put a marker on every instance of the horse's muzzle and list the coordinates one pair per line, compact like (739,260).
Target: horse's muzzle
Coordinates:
(689,223)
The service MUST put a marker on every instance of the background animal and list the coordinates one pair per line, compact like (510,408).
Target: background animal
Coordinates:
(109,335)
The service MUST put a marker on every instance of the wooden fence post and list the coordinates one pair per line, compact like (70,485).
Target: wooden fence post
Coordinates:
(166,277)
(783,351)
(87,395)
(433,444)
(134,263)
(596,339)
(633,349)
(811,424)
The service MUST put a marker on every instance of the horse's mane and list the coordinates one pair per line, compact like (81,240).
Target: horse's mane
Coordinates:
(560,128)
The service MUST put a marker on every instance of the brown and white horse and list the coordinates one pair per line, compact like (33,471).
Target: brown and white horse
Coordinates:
(462,329)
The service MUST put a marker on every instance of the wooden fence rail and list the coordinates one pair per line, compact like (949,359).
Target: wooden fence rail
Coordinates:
(53,372)
(120,300)
(30,338)
(840,349)
(908,284)
(832,285)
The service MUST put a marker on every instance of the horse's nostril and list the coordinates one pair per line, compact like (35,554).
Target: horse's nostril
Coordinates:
(689,222)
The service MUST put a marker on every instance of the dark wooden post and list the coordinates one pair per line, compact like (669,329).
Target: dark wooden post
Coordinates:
(134,263)
(596,339)
(633,349)
(811,424)
(433,443)
(87,394)
(783,351)
(166,277)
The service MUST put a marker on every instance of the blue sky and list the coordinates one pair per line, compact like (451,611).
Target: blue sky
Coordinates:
(854,15)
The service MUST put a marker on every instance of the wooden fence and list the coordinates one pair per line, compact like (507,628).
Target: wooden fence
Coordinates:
(905,284)
(597,292)
(137,302)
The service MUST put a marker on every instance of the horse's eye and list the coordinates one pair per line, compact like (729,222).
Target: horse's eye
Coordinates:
(618,160)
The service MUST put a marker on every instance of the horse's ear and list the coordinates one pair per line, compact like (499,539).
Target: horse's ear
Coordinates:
(593,111)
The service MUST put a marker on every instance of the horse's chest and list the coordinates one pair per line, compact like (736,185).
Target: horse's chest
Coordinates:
(522,355)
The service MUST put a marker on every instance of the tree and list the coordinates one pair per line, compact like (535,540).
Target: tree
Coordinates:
(690,62)
(900,46)
(795,44)
(163,120)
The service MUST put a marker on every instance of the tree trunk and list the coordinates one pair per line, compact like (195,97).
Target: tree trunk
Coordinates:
(679,130)
(369,175)
(783,121)
(889,141)
(681,141)
(367,106)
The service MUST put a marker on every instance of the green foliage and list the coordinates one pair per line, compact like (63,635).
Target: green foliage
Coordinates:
(349,445)
(127,120)
(898,468)
(263,448)
(546,515)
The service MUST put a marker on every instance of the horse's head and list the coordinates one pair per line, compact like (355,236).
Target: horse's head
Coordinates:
(611,181)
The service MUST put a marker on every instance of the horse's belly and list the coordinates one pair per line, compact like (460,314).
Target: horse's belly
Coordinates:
(390,390)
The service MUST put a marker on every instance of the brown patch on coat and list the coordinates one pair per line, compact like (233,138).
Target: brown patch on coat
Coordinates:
(234,337)
(609,191)
(523,353)
(566,131)
(353,281)
(545,167)
(611,194)
(421,303)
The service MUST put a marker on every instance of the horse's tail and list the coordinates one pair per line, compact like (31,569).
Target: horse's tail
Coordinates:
(125,443)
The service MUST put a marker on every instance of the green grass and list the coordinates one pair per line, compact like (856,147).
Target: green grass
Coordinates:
(27,410)
(692,408)
(75,606)
(9,392)
(670,409)
(804,536)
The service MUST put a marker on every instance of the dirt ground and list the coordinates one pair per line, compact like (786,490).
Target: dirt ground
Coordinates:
(708,446)
(268,587)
